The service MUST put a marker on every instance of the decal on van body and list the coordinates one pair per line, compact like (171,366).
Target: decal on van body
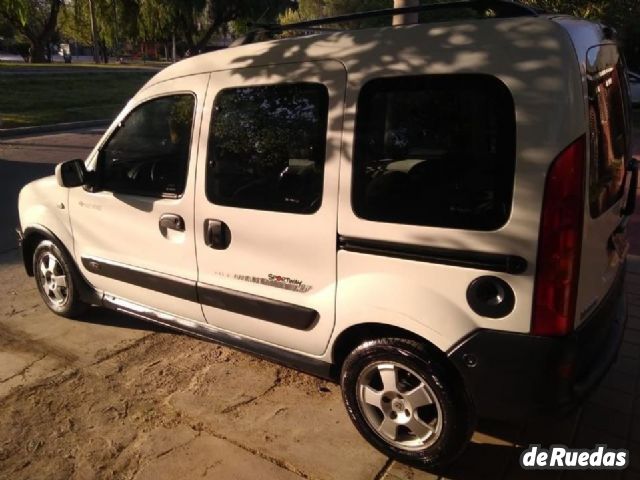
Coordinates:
(272,280)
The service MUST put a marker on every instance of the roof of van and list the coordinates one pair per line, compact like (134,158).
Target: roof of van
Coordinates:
(449,47)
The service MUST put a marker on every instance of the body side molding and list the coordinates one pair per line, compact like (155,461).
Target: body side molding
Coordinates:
(267,309)
(284,357)
(494,262)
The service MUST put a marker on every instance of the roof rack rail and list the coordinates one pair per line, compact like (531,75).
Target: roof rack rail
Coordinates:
(502,8)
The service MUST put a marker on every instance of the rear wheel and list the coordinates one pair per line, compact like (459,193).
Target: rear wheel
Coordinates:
(407,402)
(55,280)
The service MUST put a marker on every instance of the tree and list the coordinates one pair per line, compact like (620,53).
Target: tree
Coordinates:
(116,22)
(311,9)
(196,21)
(36,20)
(623,15)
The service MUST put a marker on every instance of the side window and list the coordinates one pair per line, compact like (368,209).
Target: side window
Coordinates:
(608,127)
(435,150)
(149,153)
(267,147)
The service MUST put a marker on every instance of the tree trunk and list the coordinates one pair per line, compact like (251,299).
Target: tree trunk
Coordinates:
(39,40)
(94,32)
(405,18)
(37,52)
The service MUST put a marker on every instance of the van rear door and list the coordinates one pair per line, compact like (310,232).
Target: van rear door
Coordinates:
(604,246)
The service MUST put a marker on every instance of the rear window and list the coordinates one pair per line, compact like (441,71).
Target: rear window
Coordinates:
(435,150)
(608,127)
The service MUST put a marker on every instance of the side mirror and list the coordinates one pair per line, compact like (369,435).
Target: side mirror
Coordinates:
(71,173)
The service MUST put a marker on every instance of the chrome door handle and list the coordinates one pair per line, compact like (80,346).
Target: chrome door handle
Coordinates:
(172,221)
(216,234)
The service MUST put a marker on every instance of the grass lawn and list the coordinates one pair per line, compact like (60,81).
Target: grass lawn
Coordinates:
(39,98)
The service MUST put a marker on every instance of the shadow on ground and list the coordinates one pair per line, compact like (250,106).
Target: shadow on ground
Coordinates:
(103,316)
(14,176)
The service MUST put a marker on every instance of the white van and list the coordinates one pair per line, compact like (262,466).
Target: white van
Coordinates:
(431,214)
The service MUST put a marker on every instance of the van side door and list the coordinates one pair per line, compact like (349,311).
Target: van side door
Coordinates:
(266,207)
(133,231)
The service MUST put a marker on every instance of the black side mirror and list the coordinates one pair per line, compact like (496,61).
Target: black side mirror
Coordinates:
(71,173)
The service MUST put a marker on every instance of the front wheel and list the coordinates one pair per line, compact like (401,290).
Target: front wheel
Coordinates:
(407,402)
(55,280)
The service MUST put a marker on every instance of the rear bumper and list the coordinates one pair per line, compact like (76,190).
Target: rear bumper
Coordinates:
(510,375)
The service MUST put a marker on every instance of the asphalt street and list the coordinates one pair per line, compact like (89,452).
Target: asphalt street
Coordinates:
(24,159)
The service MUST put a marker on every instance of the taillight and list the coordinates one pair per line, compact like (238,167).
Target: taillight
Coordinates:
(558,265)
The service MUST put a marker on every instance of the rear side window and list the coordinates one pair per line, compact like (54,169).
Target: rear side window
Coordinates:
(267,147)
(608,127)
(435,150)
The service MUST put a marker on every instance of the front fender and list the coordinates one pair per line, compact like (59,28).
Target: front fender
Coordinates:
(44,213)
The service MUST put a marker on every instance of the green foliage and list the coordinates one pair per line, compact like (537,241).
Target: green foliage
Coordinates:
(117,20)
(623,15)
(34,20)
(311,9)
(267,126)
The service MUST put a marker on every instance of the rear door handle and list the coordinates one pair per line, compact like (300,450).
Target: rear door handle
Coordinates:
(216,234)
(172,221)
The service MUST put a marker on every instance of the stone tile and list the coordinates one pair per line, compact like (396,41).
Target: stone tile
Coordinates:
(632,335)
(633,322)
(614,399)
(482,460)
(629,350)
(283,422)
(617,380)
(479,437)
(588,436)
(633,296)
(399,471)
(19,368)
(549,430)
(497,432)
(634,454)
(631,474)
(635,430)
(516,472)
(632,282)
(626,365)
(211,458)
(592,475)
(604,420)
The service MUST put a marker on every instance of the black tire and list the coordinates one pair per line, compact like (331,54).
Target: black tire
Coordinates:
(424,365)
(70,305)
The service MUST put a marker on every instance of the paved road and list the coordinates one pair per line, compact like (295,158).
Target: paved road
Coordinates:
(24,159)
(70,70)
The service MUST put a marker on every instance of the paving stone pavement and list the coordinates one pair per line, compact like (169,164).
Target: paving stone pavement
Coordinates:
(611,415)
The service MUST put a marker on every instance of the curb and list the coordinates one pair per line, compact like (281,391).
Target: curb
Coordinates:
(56,127)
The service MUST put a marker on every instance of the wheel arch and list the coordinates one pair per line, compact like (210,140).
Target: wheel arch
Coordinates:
(353,336)
(32,236)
